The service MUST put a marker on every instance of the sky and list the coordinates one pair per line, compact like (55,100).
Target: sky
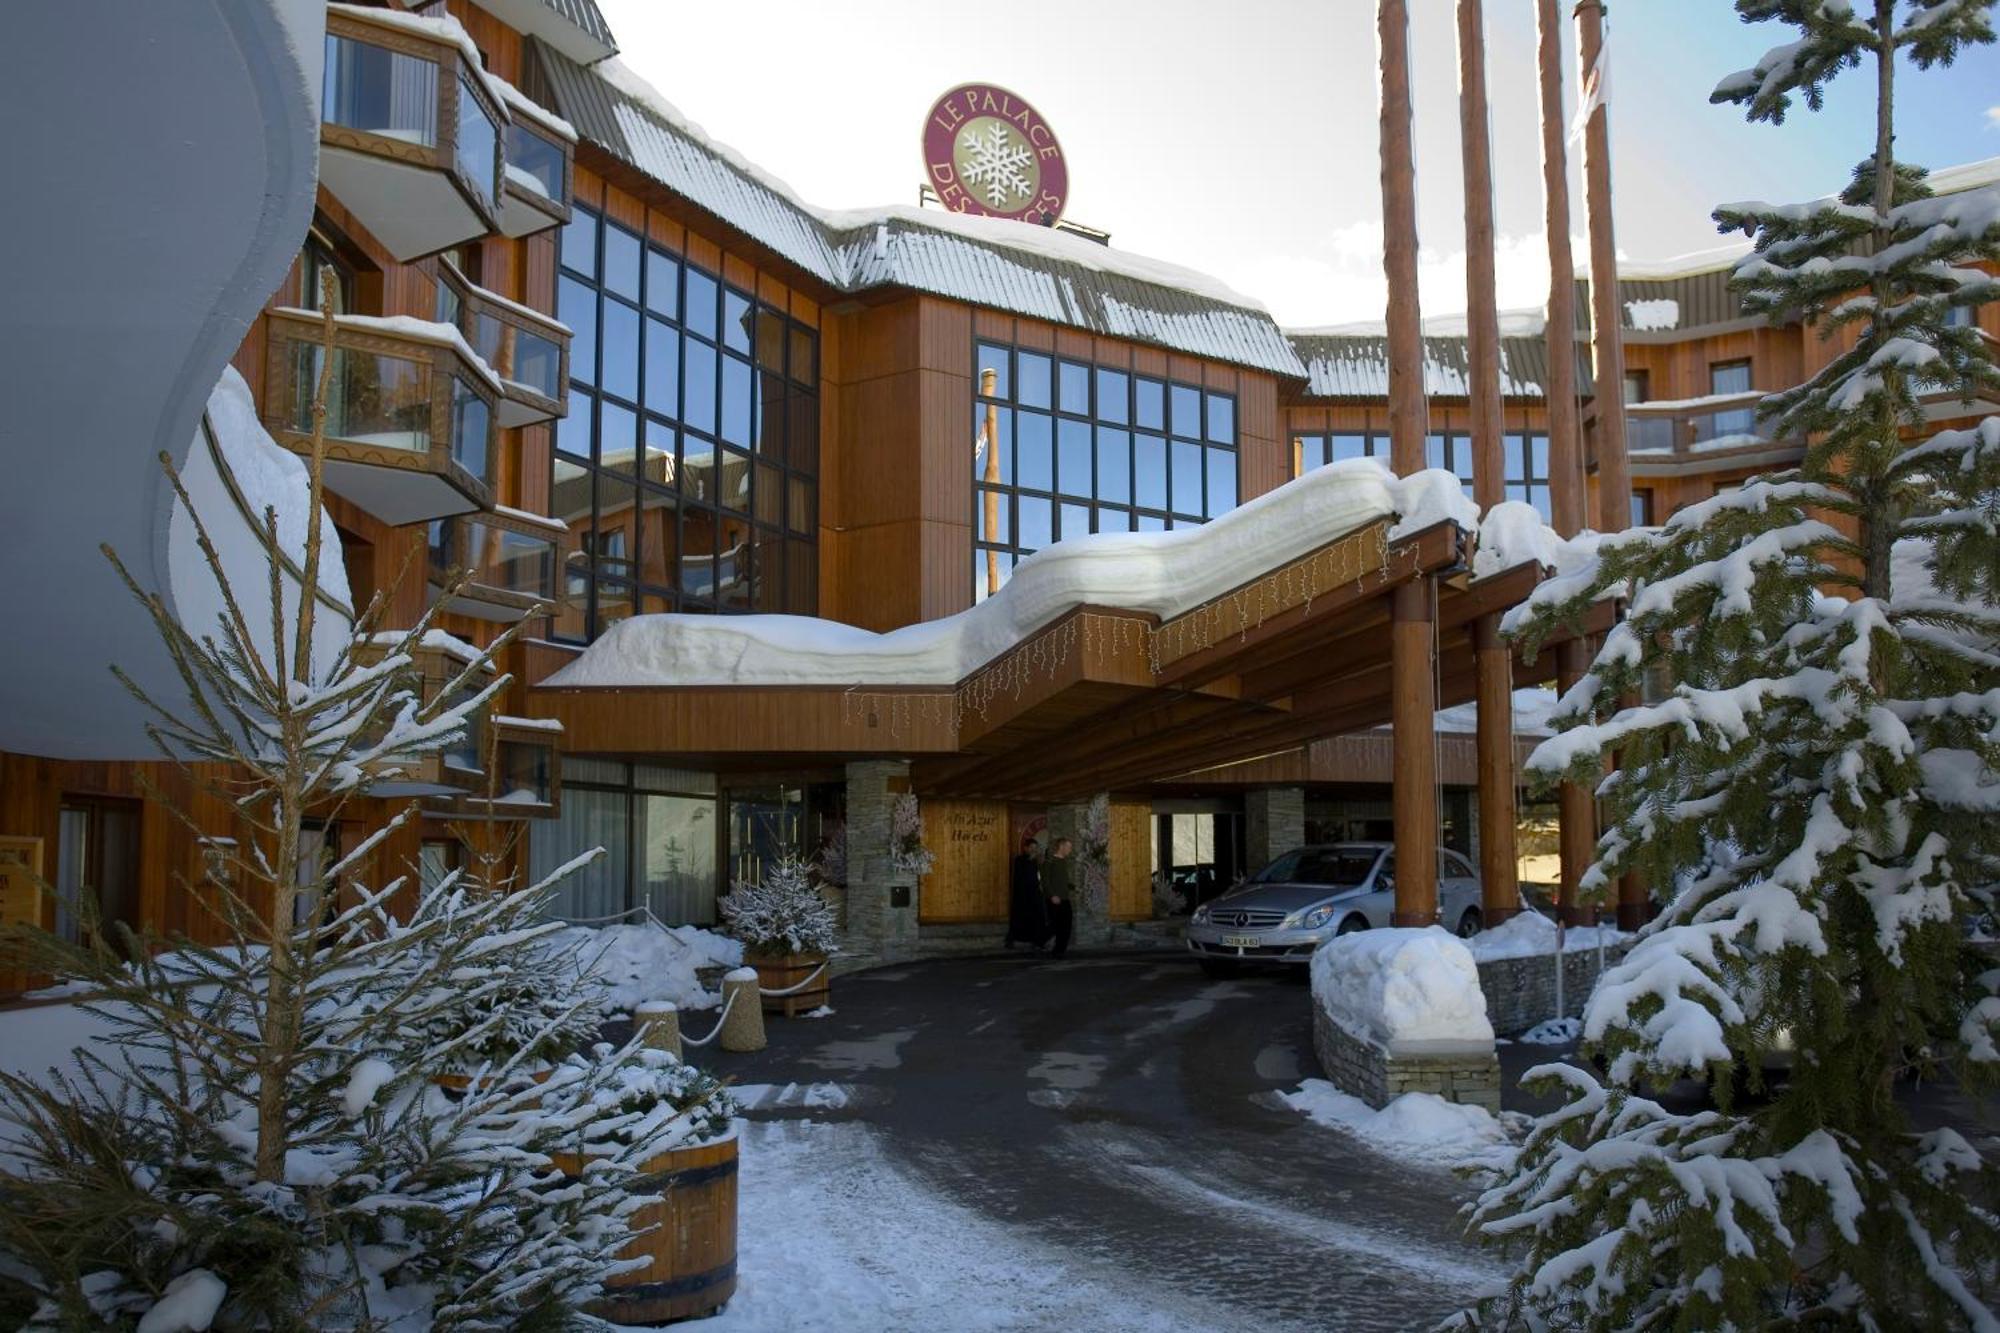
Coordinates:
(1238,137)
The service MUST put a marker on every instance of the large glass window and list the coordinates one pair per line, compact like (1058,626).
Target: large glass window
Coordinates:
(1527,459)
(1317,450)
(1730,377)
(1063,449)
(659,831)
(379,91)
(687,466)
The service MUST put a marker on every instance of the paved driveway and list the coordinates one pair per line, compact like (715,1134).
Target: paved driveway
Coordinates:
(1121,1113)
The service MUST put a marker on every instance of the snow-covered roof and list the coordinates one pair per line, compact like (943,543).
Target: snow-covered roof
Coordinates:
(1161,573)
(1356,365)
(1039,272)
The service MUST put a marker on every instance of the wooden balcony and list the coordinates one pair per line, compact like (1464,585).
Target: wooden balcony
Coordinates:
(524,778)
(528,350)
(410,412)
(411,134)
(511,557)
(460,768)
(535,186)
(1668,438)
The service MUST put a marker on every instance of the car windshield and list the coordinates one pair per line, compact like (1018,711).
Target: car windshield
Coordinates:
(1319,865)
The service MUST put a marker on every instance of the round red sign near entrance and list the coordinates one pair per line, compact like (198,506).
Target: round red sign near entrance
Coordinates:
(988,151)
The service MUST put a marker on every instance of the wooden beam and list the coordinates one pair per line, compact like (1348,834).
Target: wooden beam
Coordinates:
(1413,713)
(1614,468)
(1499,865)
(1576,805)
(1399,240)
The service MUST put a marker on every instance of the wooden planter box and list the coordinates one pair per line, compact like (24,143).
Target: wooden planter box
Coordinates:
(781,972)
(690,1249)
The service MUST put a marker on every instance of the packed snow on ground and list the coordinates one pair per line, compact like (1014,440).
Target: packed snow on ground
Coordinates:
(1530,934)
(1165,573)
(1553,1032)
(640,962)
(1417,1126)
(1401,986)
(834,1234)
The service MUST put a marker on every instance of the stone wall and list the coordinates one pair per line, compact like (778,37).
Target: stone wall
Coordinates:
(1091,924)
(1274,822)
(1521,992)
(881,900)
(1469,1073)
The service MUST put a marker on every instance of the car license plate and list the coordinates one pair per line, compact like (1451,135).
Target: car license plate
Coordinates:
(1241,941)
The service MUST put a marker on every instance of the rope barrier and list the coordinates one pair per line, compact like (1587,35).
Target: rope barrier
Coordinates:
(717,1030)
(794,990)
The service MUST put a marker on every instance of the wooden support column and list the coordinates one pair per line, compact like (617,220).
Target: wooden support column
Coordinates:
(1499,865)
(1566,493)
(1399,242)
(1413,712)
(1576,805)
(1614,469)
(1482,311)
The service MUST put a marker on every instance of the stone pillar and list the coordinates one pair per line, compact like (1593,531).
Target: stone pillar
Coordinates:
(881,899)
(1499,867)
(1274,822)
(1091,926)
(1413,710)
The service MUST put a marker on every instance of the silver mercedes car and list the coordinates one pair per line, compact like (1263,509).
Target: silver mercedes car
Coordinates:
(1310,894)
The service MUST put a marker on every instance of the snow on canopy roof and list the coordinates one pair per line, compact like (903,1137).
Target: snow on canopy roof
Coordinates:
(1039,272)
(1161,573)
(1356,365)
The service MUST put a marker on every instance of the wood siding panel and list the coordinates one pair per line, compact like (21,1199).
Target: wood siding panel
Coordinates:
(1131,862)
(969,882)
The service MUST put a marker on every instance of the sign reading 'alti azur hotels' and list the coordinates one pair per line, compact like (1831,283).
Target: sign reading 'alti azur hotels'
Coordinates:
(987,151)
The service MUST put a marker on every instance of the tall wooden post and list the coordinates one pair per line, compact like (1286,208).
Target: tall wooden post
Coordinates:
(1576,807)
(1566,494)
(1413,721)
(1499,865)
(990,429)
(1399,243)
(1413,702)
(1614,469)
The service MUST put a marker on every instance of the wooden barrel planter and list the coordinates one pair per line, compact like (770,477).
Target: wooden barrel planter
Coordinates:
(782,971)
(689,1245)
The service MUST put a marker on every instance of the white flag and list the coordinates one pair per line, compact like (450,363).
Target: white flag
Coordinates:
(1596,92)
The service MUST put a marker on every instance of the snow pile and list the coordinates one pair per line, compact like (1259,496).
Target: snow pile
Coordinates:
(1533,705)
(1650,316)
(1417,1126)
(188,1305)
(255,475)
(1165,573)
(637,963)
(1401,986)
(1513,533)
(1532,935)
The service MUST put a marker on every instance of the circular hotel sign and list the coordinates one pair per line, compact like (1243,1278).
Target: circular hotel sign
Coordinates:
(988,151)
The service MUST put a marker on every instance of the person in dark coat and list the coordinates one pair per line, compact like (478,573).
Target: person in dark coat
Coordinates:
(1027,915)
(1059,885)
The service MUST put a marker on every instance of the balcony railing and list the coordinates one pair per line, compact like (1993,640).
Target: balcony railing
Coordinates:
(461,767)
(511,559)
(535,190)
(1722,423)
(409,412)
(527,349)
(525,781)
(410,132)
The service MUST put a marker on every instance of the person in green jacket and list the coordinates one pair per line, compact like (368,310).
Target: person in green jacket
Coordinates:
(1058,882)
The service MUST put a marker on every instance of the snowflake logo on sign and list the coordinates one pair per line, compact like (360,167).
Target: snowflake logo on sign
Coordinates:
(993,164)
(988,151)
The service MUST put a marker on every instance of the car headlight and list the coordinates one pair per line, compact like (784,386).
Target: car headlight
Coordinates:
(1200,917)
(1314,918)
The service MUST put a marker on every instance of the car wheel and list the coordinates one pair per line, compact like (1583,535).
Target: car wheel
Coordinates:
(1352,924)
(1217,967)
(1469,924)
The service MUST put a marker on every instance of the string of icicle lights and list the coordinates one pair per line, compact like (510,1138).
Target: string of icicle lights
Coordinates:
(1112,636)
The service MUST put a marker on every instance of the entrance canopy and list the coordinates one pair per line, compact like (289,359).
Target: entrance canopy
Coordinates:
(1146,658)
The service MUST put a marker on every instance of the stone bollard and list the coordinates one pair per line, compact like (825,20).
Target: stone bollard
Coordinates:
(659,1023)
(743,1027)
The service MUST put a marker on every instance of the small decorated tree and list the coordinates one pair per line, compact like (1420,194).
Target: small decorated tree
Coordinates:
(831,860)
(783,915)
(906,837)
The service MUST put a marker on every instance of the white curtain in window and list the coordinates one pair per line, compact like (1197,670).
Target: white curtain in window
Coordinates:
(589,819)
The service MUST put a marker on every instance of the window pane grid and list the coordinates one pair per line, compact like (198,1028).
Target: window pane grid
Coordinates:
(686,464)
(1064,448)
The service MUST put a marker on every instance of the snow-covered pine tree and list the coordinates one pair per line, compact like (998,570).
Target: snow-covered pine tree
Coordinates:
(259,1140)
(1818,786)
(784,914)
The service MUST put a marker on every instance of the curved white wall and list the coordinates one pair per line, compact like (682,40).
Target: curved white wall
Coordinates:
(159,179)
